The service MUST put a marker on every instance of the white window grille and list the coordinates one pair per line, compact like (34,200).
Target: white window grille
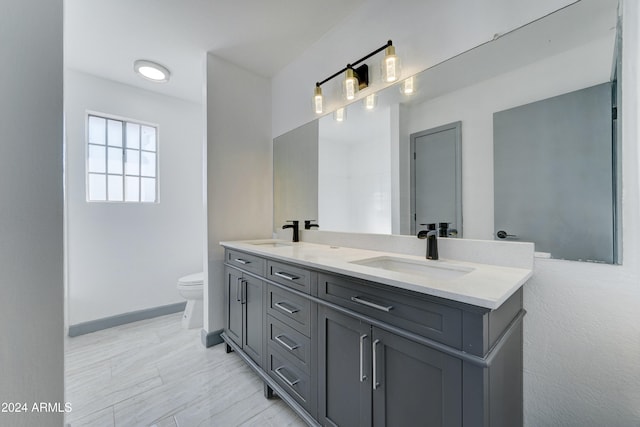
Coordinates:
(122,160)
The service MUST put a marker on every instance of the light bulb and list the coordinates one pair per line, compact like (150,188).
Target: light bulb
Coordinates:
(317,100)
(350,84)
(340,115)
(370,101)
(390,65)
(408,87)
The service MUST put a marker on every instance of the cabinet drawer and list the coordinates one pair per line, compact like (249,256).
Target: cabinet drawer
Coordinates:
(290,309)
(288,275)
(289,341)
(245,261)
(410,312)
(292,379)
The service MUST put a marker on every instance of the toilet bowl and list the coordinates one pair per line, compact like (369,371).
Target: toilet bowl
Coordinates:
(191,288)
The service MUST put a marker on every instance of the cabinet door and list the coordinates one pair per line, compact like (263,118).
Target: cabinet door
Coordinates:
(233,307)
(253,333)
(415,385)
(344,370)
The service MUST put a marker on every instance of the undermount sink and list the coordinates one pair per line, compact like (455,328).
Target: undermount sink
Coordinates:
(271,244)
(431,269)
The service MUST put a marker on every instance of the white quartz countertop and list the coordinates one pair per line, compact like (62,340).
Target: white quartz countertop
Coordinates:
(482,285)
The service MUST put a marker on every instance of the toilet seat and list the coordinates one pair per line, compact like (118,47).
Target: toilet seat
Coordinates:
(195,279)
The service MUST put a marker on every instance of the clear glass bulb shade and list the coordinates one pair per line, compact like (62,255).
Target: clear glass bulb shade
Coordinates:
(408,86)
(390,65)
(340,115)
(317,101)
(350,85)
(370,101)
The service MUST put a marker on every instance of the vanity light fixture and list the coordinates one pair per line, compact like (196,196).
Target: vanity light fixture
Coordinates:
(151,71)
(358,78)
(340,115)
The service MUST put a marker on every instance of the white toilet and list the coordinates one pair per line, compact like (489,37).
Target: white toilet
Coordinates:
(191,288)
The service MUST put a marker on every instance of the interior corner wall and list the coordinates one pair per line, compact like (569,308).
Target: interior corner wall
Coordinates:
(239,156)
(125,257)
(424,33)
(31,211)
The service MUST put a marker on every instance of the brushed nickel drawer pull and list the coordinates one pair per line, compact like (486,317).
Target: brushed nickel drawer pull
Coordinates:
(283,306)
(279,339)
(291,383)
(242,261)
(360,300)
(286,275)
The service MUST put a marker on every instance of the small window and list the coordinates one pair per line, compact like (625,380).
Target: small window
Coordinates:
(122,161)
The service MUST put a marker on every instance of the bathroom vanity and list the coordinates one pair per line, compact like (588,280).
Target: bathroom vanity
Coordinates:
(354,337)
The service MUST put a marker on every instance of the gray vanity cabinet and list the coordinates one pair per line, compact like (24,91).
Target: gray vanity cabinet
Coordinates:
(344,351)
(244,309)
(368,376)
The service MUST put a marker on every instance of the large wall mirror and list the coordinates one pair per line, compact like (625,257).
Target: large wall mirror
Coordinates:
(366,176)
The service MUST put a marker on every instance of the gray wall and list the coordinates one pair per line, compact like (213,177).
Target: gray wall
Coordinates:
(31,222)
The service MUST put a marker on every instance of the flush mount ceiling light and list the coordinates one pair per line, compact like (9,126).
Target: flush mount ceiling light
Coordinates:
(151,71)
(358,78)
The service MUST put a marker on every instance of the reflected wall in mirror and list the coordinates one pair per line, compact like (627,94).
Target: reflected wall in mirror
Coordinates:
(295,175)
(354,166)
(563,52)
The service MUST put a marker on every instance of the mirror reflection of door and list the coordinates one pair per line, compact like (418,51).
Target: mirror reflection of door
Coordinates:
(436,188)
(553,175)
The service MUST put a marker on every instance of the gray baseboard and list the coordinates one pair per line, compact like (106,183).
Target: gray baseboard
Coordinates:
(121,319)
(209,339)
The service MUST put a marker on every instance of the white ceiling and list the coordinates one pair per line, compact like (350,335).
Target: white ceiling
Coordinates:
(105,37)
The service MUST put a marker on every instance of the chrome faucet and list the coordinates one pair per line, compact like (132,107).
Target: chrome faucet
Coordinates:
(432,240)
(295,229)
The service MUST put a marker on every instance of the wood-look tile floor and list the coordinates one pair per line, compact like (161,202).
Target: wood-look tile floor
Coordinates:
(154,373)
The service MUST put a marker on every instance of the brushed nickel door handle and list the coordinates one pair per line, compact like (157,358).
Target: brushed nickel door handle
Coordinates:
(362,374)
(376,384)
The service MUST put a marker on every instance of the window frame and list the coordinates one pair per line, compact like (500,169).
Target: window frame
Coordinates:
(123,148)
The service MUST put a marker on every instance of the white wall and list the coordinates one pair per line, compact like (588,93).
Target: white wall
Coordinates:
(31,220)
(582,330)
(124,257)
(239,188)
